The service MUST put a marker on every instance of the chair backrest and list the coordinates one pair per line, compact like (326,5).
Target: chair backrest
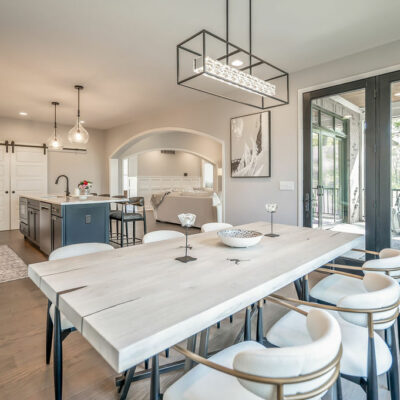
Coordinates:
(215,226)
(79,249)
(157,236)
(136,201)
(380,291)
(388,258)
(288,362)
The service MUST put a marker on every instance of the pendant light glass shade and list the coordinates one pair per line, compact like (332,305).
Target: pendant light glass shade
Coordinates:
(54,142)
(78,134)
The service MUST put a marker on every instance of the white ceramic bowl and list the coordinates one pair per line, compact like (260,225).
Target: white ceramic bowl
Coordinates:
(240,237)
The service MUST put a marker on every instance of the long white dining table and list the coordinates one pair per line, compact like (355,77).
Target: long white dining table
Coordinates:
(133,303)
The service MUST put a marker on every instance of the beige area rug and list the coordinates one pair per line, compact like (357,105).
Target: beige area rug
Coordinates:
(11,266)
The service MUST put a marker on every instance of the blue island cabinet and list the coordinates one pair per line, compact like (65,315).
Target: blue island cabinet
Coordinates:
(84,223)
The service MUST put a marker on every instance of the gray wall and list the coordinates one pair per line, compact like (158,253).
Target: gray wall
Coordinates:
(76,166)
(155,163)
(245,198)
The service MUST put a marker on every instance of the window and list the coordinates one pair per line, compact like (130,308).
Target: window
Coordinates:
(125,172)
(208,175)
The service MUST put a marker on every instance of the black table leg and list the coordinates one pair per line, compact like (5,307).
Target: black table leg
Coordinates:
(155,379)
(127,384)
(57,353)
(49,333)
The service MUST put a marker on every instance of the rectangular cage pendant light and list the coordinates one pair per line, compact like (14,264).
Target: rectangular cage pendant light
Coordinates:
(212,65)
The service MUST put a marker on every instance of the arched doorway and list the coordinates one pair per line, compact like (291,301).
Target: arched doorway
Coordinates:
(205,146)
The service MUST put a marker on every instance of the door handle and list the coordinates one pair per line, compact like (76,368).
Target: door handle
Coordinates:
(6,192)
(13,191)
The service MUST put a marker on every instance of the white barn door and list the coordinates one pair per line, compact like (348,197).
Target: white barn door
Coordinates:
(28,175)
(4,189)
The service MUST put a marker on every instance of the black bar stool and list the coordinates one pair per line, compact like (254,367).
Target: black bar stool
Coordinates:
(124,217)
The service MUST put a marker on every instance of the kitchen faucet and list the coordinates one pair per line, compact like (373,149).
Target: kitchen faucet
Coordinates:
(66,178)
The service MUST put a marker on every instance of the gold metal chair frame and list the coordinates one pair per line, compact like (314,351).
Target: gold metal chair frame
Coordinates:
(333,366)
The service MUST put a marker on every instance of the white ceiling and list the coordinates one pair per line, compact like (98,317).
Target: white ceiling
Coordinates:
(124,51)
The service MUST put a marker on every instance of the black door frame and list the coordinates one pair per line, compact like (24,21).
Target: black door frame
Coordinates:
(384,123)
(371,165)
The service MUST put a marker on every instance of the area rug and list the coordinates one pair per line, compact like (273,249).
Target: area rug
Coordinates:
(11,266)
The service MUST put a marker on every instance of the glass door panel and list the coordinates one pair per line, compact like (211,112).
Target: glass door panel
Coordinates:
(395,164)
(337,154)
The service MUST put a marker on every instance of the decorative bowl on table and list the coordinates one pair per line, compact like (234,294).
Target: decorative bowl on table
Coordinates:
(239,237)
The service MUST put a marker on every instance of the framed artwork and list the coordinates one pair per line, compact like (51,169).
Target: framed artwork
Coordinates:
(251,146)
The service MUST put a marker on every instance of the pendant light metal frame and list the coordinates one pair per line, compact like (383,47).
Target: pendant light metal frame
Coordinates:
(54,136)
(189,48)
(79,124)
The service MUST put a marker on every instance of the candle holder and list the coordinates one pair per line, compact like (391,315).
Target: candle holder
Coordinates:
(187,220)
(271,208)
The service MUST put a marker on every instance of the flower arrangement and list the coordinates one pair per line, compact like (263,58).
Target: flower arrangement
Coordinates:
(85,186)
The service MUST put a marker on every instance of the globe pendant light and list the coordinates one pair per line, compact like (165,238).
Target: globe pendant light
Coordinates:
(78,134)
(55,142)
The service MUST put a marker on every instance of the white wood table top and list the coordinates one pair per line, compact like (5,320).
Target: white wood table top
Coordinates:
(135,302)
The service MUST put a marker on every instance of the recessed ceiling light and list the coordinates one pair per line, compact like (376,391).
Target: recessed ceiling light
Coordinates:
(23,113)
(347,116)
(397,94)
(237,63)
(82,122)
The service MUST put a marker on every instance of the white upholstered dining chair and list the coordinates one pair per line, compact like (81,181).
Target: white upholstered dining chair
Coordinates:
(332,288)
(72,250)
(157,236)
(365,353)
(215,226)
(249,371)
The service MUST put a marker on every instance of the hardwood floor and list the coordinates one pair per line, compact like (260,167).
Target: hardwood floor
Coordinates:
(24,374)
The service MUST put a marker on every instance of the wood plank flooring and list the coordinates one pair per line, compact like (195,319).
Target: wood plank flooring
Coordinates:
(24,374)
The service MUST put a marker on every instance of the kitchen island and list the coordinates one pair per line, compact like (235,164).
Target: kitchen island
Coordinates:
(53,221)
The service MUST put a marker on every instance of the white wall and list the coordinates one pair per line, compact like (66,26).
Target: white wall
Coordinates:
(155,163)
(76,166)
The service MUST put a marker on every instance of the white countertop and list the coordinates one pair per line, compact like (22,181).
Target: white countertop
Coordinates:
(62,200)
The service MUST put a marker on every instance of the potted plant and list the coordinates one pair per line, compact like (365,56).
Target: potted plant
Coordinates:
(85,187)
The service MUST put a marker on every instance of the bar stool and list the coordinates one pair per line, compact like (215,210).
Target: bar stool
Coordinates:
(249,371)
(365,353)
(124,217)
(58,254)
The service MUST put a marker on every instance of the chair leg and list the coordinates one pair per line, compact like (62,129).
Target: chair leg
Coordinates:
(57,352)
(122,233)
(297,286)
(134,231)
(111,228)
(218,325)
(203,348)
(117,227)
(306,295)
(398,329)
(260,325)
(127,384)
(372,381)
(49,333)
(127,233)
(144,221)
(231,319)
(247,325)
(394,370)
(146,364)
(339,393)
(167,353)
